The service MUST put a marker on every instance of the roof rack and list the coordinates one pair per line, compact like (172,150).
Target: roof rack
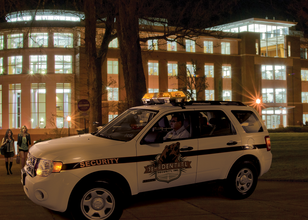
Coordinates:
(181,104)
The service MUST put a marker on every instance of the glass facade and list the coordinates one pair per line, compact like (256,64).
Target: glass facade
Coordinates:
(64,40)
(208,46)
(38,64)
(171,46)
(14,105)
(38,40)
(38,105)
(63,104)
(63,64)
(15,41)
(190,46)
(14,65)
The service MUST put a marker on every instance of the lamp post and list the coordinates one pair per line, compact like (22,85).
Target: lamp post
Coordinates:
(68,119)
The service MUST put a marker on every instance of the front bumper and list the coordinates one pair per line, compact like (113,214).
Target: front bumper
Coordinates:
(52,192)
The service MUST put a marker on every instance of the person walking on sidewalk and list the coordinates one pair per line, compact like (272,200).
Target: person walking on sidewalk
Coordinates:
(23,143)
(9,153)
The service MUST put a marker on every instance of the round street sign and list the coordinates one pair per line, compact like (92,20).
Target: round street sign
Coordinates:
(83,105)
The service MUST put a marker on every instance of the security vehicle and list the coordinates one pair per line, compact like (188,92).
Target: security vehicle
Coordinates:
(165,143)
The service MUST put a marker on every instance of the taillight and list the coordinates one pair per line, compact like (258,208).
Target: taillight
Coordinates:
(268,143)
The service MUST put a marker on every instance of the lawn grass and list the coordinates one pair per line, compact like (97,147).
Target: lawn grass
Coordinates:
(290,157)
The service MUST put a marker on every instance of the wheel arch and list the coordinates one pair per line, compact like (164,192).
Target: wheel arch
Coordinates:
(247,158)
(110,177)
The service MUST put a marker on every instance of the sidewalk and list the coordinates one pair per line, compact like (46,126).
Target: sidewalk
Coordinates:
(271,200)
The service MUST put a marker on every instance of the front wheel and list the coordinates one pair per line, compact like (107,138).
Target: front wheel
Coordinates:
(242,181)
(98,201)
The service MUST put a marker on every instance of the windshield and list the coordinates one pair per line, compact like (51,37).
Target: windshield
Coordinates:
(126,126)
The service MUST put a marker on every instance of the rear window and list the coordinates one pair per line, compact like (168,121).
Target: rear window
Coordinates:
(249,121)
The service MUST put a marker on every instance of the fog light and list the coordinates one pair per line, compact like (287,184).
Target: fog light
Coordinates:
(40,195)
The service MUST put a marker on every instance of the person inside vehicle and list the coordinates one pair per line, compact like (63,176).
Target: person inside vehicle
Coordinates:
(179,131)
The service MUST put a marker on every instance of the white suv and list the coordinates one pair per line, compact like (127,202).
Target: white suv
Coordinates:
(147,148)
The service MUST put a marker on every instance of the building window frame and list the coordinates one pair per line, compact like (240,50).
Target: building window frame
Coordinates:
(63,40)
(15,105)
(225,48)
(15,41)
(38,40)
(38,64)
(14,65)
(63,104)
(38,105)
(171,46)
(172,68)
(208,46)
(63,64)
(153,44)
(190,45)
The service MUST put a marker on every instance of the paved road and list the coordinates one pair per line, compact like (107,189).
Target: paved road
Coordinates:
(271,200)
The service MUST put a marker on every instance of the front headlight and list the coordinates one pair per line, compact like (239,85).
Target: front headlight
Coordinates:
(46,167)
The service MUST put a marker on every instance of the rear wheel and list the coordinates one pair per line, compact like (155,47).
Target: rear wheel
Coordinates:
(242,181)
(97,201)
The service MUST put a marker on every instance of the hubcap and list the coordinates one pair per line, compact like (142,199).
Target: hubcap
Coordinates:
(244,180)
(97,203)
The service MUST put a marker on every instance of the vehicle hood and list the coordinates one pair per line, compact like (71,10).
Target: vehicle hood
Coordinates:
(77,148)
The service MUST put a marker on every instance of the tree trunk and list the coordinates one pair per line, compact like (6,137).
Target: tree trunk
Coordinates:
(94,65)
(130,51)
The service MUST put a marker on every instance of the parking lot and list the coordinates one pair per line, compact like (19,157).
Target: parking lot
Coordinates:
(271,200)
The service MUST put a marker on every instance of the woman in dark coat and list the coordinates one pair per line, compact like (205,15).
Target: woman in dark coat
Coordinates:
(9,153)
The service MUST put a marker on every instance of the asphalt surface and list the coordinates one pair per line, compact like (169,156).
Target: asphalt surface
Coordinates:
(271,200)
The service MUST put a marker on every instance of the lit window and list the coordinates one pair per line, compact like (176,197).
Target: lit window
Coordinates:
(190,69)
(153,44)
(209,95)
(63,104)
(153,68)
(112,115)
(38,40)
(280,96)
(112,66)
(113,43)
(63,64)
(1,65)
(113,94)
(227,95)
(38,105)
(63,40)
(14,105)
(257,48)
(304,75)
(38,64)
(289,49)
(209,71)
(304,97)
(305,119)
(14,41)
(1,42)
(15,65)
(280,72)
(190,46)
(208,46)
(268,95)
(150,90)
(225,48)
(267,72)
(171,46)
(226,71)
(0,106)
(172,69)
(172,90)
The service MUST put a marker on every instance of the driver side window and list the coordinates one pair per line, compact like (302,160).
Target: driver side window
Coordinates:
(172,126)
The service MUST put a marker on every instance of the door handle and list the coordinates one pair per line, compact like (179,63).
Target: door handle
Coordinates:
(186,148)
(232,143)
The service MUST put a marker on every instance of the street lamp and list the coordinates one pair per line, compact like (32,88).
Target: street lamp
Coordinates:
(68,119)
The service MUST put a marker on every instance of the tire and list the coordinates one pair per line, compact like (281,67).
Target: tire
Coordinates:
(99,201)
(242,181)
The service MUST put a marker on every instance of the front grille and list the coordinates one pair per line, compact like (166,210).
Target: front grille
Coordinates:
(30,165)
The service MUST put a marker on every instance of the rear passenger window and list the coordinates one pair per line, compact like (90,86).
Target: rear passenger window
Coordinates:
(249,121)
(214,123)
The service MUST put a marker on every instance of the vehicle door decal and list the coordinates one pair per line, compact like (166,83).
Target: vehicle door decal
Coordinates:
(168,165)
